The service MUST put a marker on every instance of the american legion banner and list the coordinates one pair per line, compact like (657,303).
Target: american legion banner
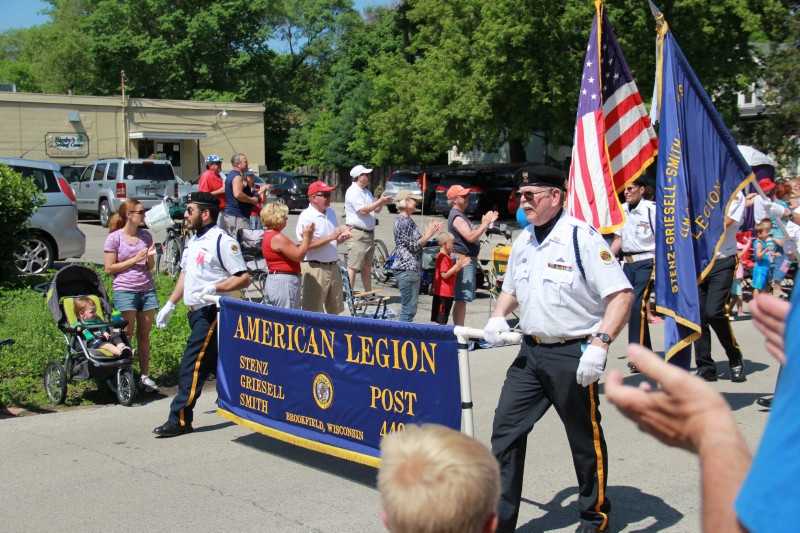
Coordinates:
(333,384)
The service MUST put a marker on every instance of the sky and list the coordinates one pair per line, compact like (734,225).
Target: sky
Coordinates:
(26,13)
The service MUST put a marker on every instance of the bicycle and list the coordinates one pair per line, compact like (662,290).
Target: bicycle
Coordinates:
(170,253)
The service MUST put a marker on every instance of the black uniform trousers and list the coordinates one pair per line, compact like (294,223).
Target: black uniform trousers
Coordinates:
(198,360)
(640,274)
(714,294)
(543,375)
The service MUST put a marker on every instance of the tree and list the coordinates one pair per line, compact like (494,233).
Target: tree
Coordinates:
(778,128)
(484,73)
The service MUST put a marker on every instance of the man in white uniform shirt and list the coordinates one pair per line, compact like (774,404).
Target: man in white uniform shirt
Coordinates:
(359,204)
(573,300)
(322,281)
(714,294)
(212,263)
(637,241)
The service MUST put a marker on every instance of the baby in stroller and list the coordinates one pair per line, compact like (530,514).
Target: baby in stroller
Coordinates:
(107,339)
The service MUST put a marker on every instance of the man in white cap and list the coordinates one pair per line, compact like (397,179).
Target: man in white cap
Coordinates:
(359,204)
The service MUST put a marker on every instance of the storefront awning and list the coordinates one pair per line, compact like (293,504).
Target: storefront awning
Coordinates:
(167,135)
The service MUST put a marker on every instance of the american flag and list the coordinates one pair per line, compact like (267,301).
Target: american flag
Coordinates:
(614,140)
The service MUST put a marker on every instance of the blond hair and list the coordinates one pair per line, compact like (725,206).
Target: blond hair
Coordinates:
(433,479)
(444,237)
(81,304)
(274,214)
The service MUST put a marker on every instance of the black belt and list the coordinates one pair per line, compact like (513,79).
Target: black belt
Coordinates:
(533,339)
(321,262)
(362,229)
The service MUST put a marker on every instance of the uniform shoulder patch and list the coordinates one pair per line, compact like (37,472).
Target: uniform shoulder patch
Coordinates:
(606,257)
(234,248)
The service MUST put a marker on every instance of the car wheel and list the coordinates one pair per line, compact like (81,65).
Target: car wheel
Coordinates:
(104,213)
(34,255)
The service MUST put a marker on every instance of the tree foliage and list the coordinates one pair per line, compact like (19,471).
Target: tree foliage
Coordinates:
(778,128)
(400,85)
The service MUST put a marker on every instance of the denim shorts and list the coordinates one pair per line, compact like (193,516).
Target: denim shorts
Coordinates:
(466,283)
(135,301)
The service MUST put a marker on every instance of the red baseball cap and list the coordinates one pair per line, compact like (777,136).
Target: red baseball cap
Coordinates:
(766,185)
(455,191)
(317,187)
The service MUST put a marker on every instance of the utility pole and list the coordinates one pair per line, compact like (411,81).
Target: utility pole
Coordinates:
(125,141)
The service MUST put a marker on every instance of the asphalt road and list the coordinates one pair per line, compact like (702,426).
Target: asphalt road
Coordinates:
(100,469)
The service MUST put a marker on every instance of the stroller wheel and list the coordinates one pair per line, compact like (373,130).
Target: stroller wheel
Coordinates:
(55,383)
(126,387)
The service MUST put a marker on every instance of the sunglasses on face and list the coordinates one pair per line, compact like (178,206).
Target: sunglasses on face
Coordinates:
(530,196)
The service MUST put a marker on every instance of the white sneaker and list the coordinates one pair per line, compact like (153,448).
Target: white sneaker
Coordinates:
(148,383)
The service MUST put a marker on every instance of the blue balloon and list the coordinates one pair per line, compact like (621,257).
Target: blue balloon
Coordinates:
(522,220)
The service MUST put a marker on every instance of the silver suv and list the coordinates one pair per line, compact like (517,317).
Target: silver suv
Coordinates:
(53,228)
(106,183)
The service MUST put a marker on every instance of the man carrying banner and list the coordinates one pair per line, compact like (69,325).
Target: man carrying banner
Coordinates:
(637,240)
(573,299)
(714,294)
(212,263)
(699,208)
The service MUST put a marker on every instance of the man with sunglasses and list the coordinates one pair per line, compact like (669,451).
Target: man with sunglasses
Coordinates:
(637,240)
(322,280)
(212,263)
(573,300)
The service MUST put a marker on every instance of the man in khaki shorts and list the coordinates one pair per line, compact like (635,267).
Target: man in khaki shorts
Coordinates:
(322,281)
(359,204)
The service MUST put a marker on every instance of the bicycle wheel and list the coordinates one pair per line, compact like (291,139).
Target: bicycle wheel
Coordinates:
(379,271)
(169,261)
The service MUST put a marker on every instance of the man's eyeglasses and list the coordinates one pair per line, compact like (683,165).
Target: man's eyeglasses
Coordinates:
(323,194)
(530,196)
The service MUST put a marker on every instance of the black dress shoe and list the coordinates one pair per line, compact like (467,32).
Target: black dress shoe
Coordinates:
(765,402)
(168,429)
(737,374)
(708,374)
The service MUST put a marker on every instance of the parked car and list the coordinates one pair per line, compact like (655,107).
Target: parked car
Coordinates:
(185,187)
(53,228)
(290,188)
(106,183)
(72,172)
(489,185)
(403,180)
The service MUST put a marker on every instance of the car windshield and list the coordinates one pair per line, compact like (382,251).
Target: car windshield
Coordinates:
(148,171)
(403,178)
(44,179)
(304,181)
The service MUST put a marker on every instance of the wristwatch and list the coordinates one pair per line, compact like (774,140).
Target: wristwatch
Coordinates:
(605,338)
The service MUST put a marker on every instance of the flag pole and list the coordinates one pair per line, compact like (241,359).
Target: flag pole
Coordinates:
(661,32)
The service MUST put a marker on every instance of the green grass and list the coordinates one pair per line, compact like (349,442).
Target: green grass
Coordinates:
(25,318)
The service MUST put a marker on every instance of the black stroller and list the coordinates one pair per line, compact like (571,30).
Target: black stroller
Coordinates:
(80,361)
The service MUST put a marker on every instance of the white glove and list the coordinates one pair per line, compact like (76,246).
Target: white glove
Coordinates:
(208,290)
(493,328)
(591,365)
(163,315)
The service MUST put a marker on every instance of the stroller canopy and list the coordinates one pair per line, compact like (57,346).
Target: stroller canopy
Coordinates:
(75,280)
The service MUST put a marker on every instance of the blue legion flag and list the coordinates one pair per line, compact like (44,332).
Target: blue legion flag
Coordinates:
(700,172)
